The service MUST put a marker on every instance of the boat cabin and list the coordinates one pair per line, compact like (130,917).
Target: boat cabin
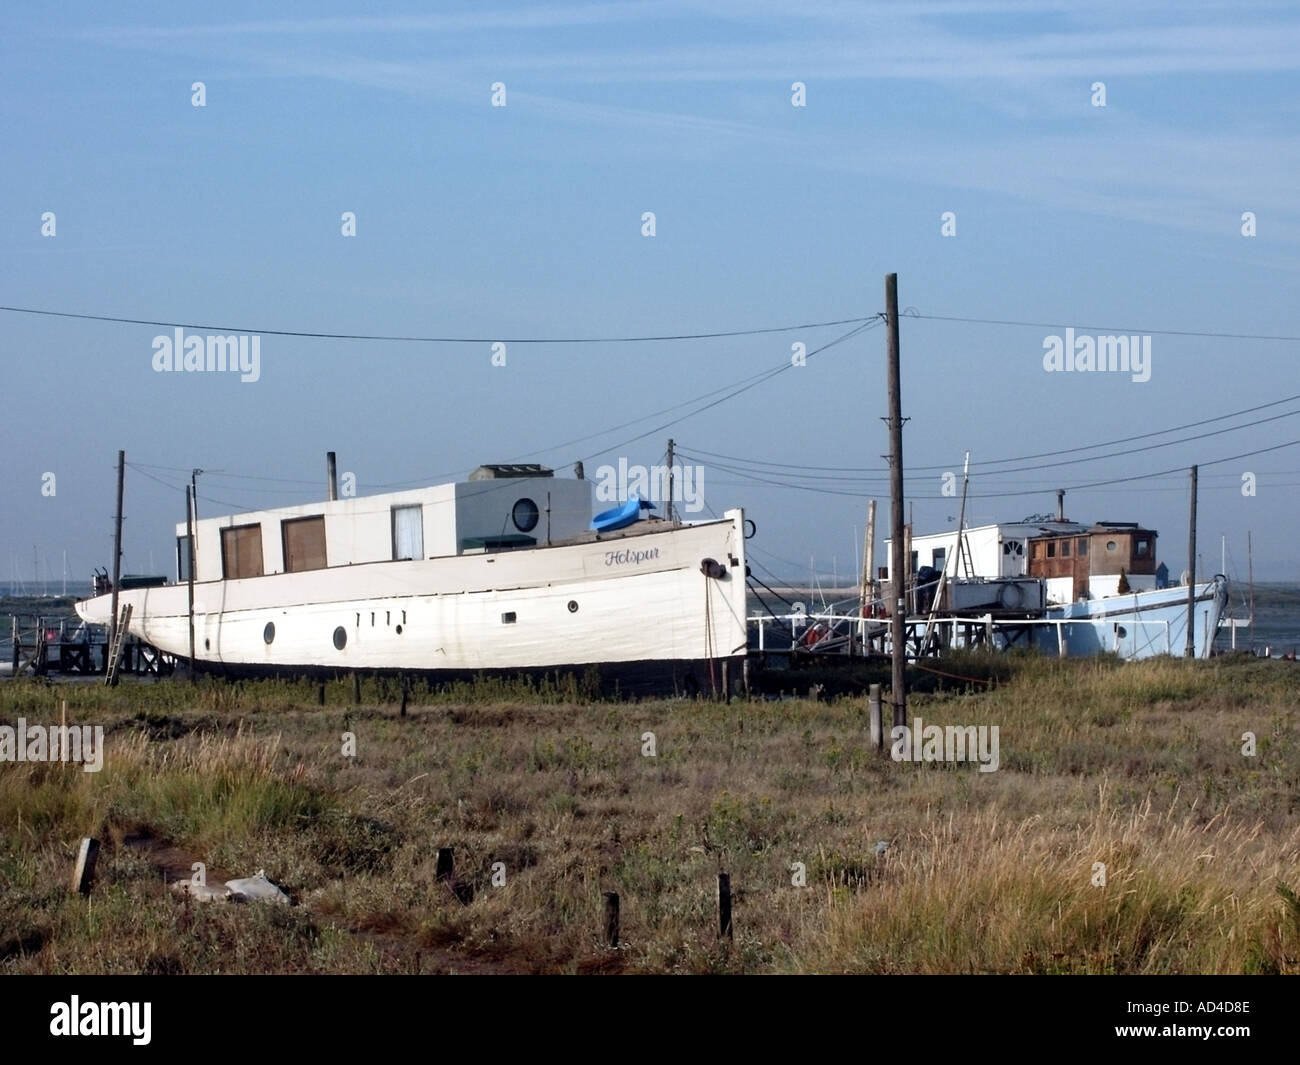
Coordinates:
(499,508)
(1092,563)
(1074,560)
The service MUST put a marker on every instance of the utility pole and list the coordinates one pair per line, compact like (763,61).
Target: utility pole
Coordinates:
(897,565)
(669,514)
(1190,649)
(117,547)
(189,564)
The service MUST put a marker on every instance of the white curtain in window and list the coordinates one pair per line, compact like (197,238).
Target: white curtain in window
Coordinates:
(408,532)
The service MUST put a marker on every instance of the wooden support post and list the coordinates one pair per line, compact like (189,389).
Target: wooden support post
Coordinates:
(444,868)
(356,687)
(898,565)
(611,919)
(1190,649)
(83,873)
(725,930)
(873,710)
(13,629)
(669,510)
(404,694)
(744,673)
(189,553)
(117,548)
(320,694)
(726,681)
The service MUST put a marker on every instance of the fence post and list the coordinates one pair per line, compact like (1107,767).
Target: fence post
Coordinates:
(611,918)
(724,907)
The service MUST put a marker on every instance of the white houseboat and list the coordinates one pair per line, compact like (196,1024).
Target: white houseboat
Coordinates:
(1095,587)
(504,571)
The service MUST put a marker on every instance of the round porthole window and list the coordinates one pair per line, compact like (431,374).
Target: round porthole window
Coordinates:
(399,630)
(268,633)
(1111,545)
(573,606)
(524,515)
(340,638)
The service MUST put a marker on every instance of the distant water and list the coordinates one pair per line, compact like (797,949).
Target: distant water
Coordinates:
(1277,617)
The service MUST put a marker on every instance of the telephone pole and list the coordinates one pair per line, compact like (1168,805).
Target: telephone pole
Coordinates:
(117,547)
(898,567)
(1190,649)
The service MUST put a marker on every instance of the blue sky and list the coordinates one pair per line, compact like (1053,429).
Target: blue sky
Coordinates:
(524,221)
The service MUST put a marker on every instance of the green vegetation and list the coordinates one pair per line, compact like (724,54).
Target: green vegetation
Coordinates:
(1136,766)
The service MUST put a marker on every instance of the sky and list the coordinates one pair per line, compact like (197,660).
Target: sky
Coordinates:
(1106,168)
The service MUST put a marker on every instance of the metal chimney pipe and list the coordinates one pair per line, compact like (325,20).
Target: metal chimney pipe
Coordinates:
(1060,504)
(332,474)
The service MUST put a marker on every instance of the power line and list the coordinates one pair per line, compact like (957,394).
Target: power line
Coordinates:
(1098,328)
(438,340)
(1018,458)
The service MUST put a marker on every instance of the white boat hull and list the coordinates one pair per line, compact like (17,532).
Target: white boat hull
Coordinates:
(1141,624)
(638,598)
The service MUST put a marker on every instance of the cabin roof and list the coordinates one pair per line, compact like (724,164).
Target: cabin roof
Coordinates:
(493,470)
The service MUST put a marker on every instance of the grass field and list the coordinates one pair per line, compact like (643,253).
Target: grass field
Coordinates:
(1136,766)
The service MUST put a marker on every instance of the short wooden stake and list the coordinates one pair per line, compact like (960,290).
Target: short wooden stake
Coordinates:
(444,863)
(320,694)
(611,918)
(724,907)
(405,693)
(83,874)
(356,687)
(877,729)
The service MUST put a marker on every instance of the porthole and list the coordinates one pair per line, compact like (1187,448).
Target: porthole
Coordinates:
(525,515)
(1111,545)
(207,645)
(268,633)
(573,606)
(340,638)
(399,630)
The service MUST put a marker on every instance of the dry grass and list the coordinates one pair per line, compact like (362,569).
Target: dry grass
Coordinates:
(1138,767)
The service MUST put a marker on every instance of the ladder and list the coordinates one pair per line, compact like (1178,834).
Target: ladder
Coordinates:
(114,662)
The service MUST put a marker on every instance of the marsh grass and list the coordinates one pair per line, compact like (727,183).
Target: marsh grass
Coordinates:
(1136,766)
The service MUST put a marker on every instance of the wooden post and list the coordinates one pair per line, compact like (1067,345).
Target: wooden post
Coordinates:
(356,687)
(611,919)
(320,694)
(725,930)
(444,868)
(404,694)
(744,674)
(189,537)
(117,548)
(332,475)
(13,629)
(83,874)
(1190,648)
(669,512)
(1250,571)
(726,681)
(869,560)
(873,709)
(897,565)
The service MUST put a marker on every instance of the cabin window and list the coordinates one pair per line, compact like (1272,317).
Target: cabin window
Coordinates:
(304,544)
(1111,545)
(524,515)
(1142,549)
(1013,548)
(1065,548)
(1051,548)
(1081,546)
(938,557)
(241,551)
(182,559)
(408,532)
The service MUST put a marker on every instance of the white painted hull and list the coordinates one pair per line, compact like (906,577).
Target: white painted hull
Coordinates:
(639,598)
(1142,624)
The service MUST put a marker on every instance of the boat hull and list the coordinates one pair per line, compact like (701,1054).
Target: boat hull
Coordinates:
(628,600)
(1140,624)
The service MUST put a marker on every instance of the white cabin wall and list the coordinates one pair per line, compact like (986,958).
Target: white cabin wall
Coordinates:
(483,508)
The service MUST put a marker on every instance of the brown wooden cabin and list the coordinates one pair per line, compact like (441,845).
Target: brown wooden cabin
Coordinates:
(1104,549)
